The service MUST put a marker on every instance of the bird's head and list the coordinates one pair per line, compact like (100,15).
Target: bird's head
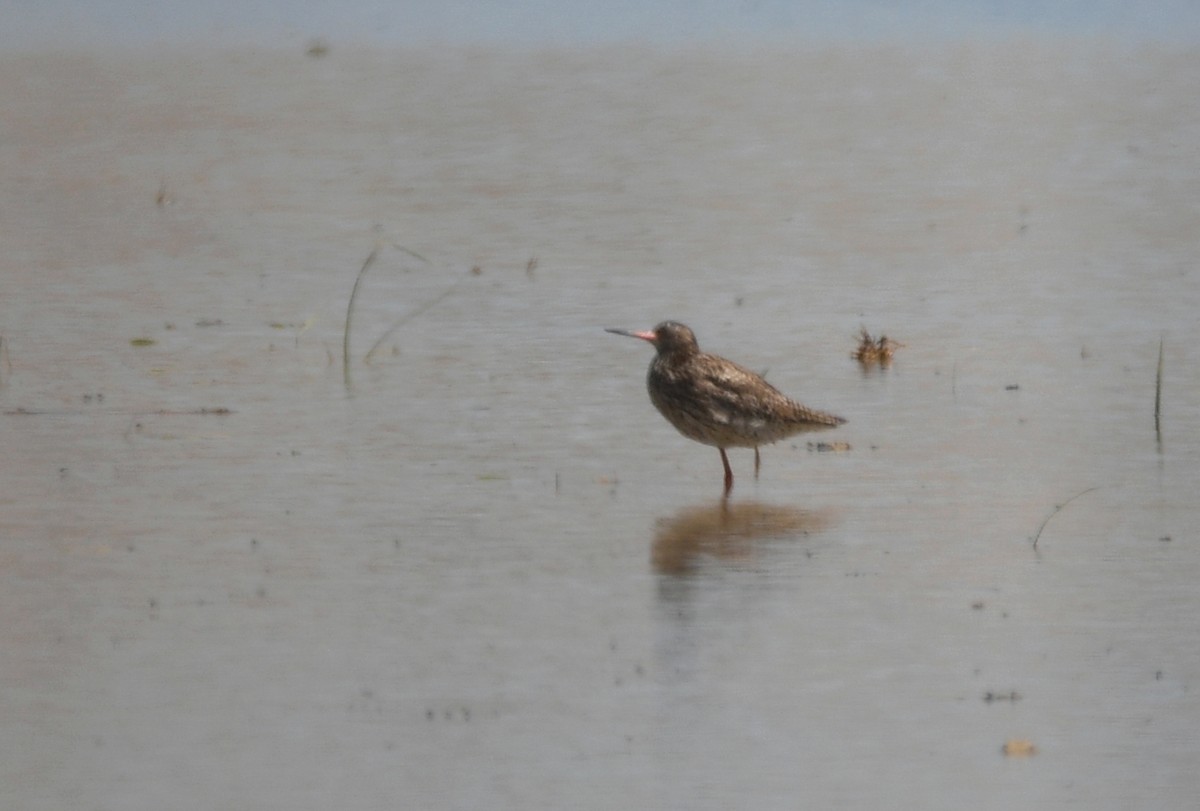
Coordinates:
(669,338)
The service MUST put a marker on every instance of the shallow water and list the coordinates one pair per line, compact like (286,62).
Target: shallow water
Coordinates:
(479,570)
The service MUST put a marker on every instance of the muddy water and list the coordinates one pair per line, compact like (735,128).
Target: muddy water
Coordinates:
(478,570)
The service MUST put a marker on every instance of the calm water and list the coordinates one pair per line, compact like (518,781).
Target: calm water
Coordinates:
(480,570)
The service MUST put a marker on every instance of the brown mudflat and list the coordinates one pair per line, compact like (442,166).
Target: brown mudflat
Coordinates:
(717,402)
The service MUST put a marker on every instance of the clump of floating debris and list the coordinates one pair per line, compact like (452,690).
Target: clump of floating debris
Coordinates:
(875,351)
(1018,747)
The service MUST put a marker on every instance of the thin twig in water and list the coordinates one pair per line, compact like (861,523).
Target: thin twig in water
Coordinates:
(205,411)
(349,313)
(1055,512)
(410,252)
(404,319)
(1158,395)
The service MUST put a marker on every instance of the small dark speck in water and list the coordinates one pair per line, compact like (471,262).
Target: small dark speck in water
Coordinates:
(977,605)
(1012,695)
(1012,387)
(1158,674)
(1165,538)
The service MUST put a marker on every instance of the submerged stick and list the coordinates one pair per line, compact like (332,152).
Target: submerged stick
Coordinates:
(410,252)
(349,314)
(1158,394)
(404,319)
(1057,508)
(203,411)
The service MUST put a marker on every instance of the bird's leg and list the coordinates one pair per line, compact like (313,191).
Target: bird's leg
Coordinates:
(728,471)
(757,462)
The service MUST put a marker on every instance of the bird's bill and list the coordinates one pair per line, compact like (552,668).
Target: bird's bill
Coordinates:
(645,336)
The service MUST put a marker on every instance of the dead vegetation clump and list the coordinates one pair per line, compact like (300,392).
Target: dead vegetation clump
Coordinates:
(875,351)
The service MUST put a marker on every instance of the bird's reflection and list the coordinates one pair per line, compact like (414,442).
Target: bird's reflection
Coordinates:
(725,532)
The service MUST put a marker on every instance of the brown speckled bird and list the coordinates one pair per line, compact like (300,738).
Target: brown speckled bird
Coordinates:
(717,402)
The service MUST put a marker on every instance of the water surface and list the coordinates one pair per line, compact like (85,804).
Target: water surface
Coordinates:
(479,570)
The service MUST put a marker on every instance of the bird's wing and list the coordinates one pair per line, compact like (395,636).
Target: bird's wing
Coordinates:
(729,394)
(733,394)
